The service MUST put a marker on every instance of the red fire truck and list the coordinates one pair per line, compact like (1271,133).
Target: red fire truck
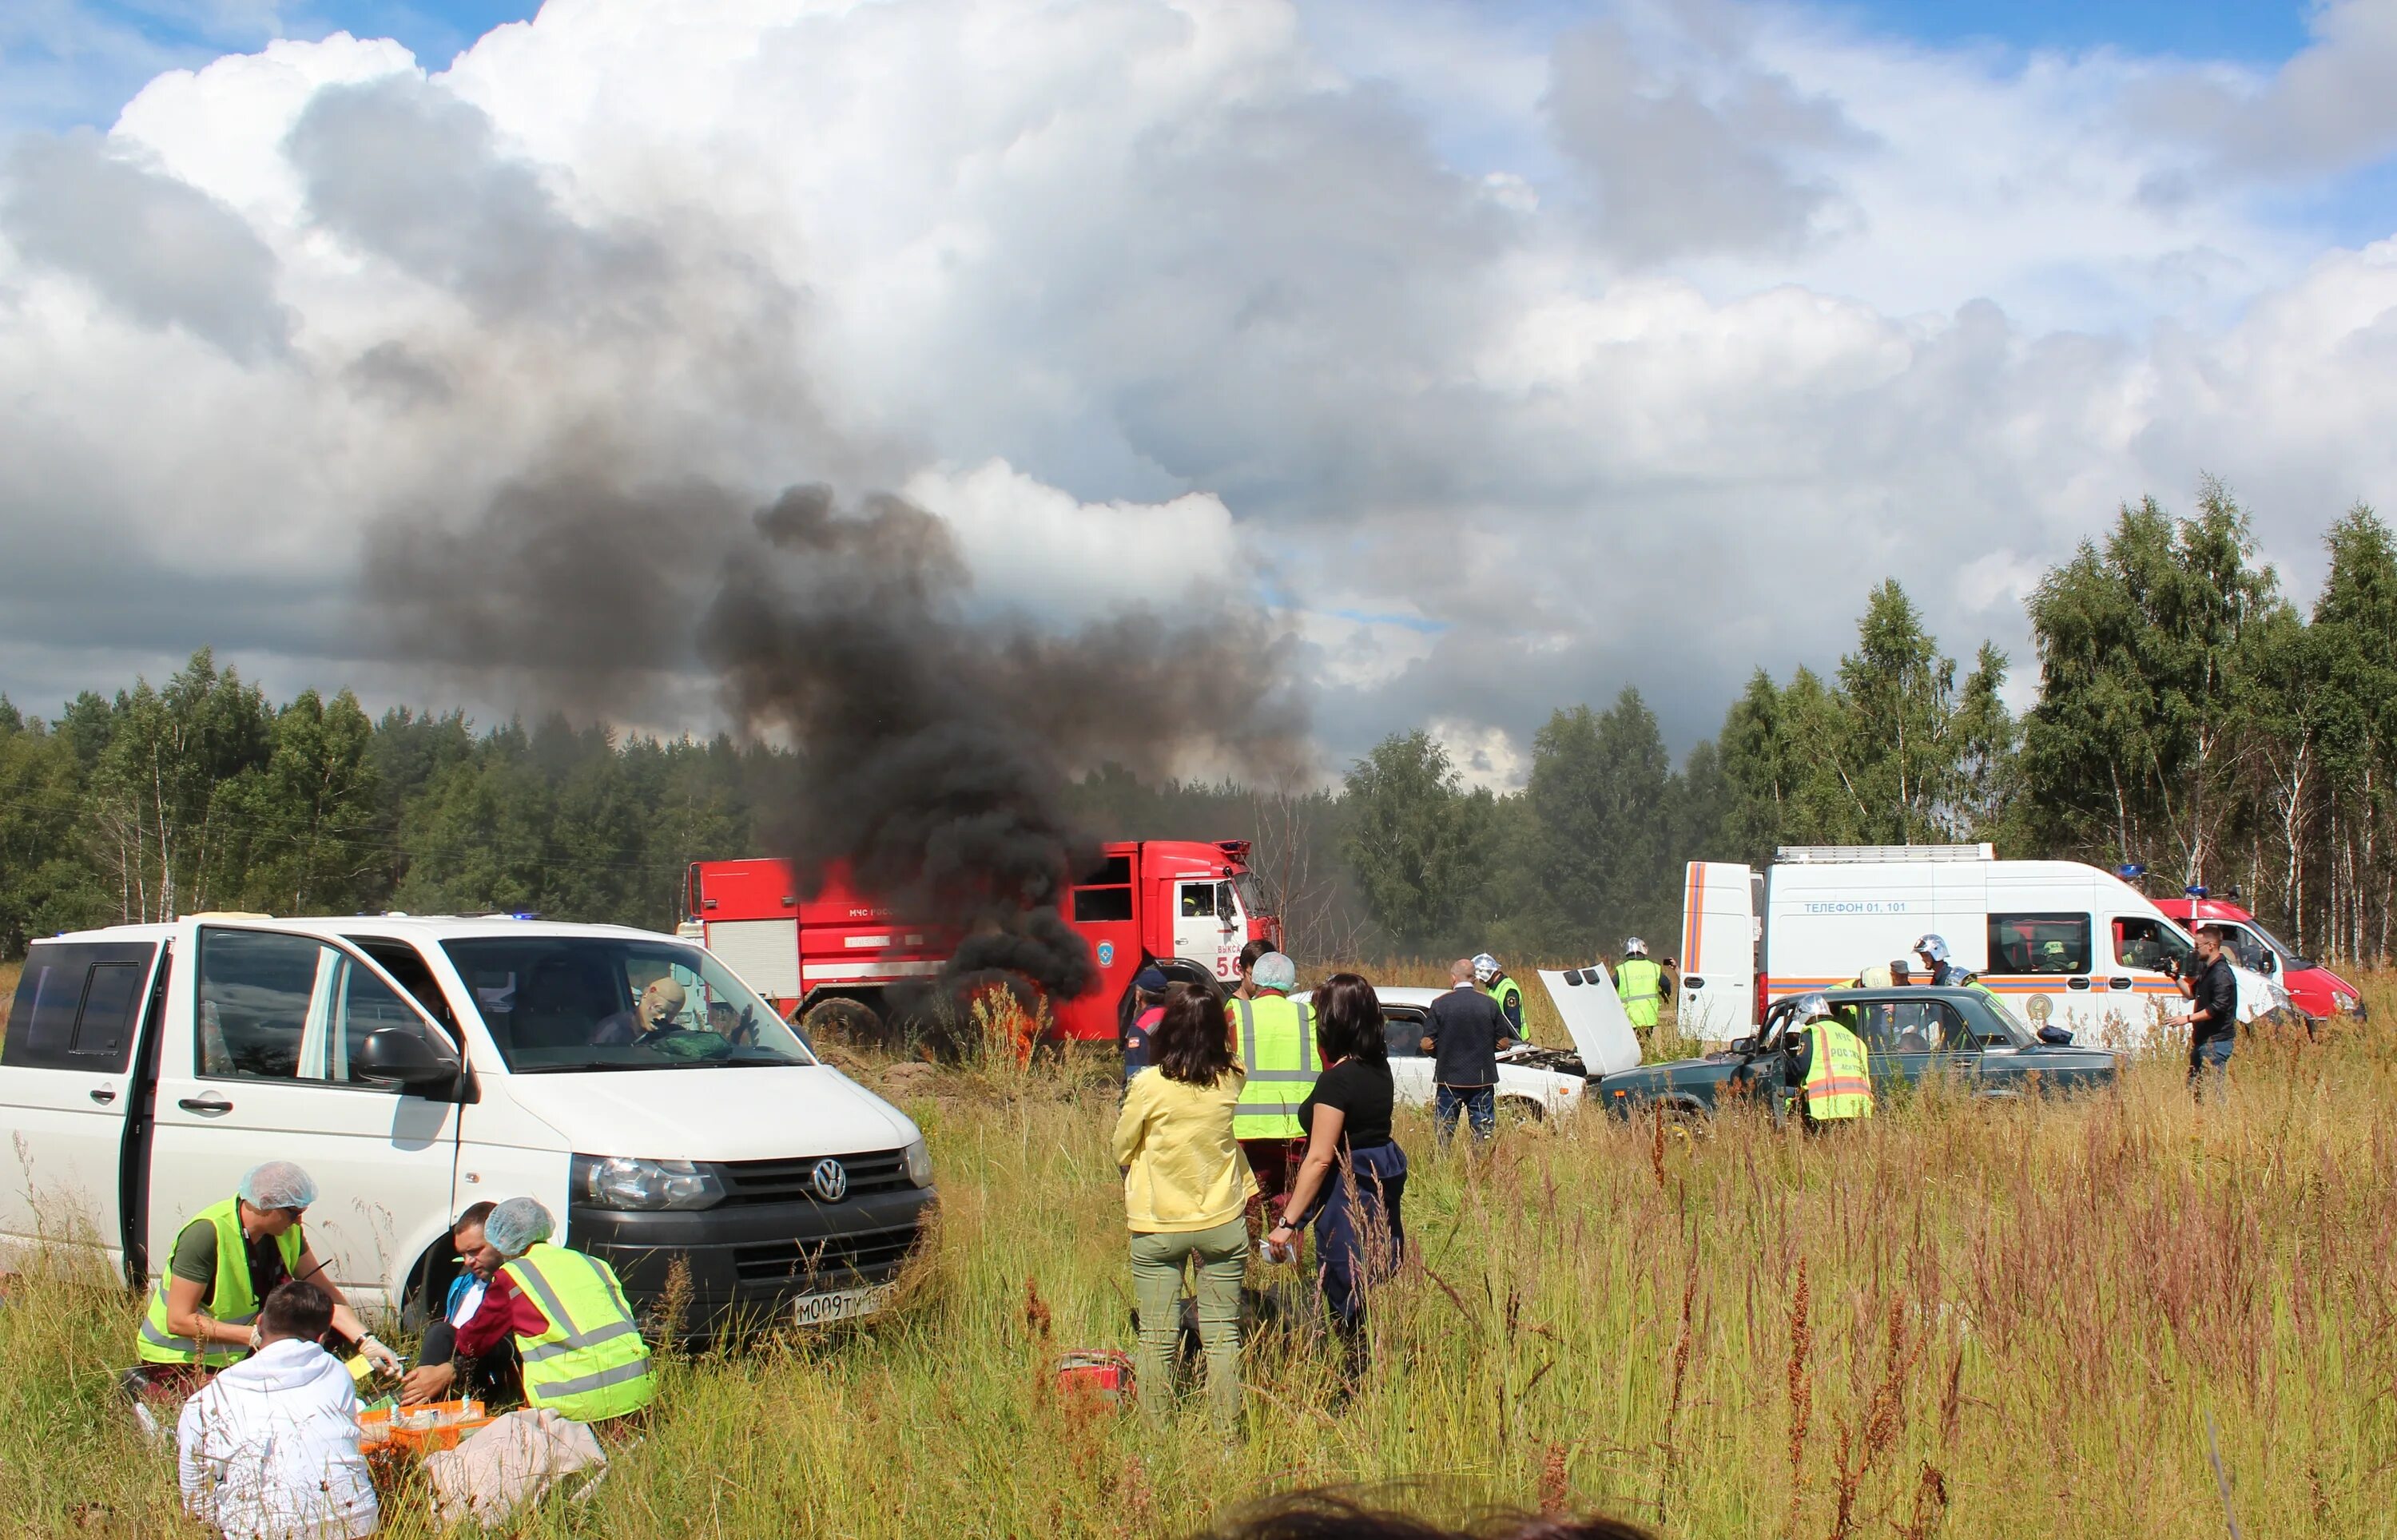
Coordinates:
(1183,904)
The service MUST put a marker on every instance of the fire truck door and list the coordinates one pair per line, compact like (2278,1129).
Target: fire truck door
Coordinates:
(1198,927)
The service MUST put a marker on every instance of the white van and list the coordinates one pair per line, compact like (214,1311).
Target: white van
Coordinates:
(414,1066)
(2062,944)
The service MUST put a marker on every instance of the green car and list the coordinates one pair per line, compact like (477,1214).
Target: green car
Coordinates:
(1910,1033)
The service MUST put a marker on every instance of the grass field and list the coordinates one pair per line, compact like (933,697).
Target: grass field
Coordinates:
(1968,1319)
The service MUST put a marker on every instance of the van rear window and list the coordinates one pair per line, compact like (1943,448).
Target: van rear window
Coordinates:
(2038,944)
(76,1007)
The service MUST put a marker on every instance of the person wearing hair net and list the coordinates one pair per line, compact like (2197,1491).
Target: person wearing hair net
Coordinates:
(1274,1037)
(581,1348)
(202,1311)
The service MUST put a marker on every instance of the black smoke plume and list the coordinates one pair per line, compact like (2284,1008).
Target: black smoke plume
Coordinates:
(935,735)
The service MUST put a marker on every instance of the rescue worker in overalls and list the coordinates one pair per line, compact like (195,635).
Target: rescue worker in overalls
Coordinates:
(1274,1036)
(1828,1068)
(1639,982)
(582,1349)
(228,1257)
(1492,980)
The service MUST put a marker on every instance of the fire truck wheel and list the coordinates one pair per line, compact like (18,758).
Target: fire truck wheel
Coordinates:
(844,1021)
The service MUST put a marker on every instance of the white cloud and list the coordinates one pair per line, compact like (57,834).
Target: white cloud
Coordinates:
(1377,311)
(1033,547)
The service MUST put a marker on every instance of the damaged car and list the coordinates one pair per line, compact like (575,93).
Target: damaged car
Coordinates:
(1912,1034)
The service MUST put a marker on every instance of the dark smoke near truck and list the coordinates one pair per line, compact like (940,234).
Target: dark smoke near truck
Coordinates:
(935,731)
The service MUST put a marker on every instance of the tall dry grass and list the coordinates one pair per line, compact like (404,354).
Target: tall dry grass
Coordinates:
(1965,1320)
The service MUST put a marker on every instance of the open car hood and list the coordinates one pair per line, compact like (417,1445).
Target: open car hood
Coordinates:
(1593,1016)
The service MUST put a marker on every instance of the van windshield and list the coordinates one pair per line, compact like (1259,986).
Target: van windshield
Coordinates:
(556,1004)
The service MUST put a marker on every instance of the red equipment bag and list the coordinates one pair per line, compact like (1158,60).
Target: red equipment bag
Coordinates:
(1099,1374)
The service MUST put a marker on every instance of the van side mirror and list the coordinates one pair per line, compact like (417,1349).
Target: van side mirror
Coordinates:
(395,1054)
(2271,964)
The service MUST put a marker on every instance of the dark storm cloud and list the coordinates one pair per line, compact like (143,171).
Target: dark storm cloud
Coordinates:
(153,246)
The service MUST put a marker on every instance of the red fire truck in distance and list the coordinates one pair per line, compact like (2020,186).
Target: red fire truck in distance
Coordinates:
(1185,904)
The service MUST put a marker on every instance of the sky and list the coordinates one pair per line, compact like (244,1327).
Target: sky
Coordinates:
(1503,355)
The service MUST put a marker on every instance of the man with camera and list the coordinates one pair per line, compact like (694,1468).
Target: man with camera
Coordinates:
(2213,1016)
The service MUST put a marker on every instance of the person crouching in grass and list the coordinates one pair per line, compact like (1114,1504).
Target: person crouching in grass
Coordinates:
(269,1448)
(1186,1189)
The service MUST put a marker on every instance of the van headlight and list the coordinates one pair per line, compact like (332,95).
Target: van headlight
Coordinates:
(918,1161)
(2345,1004)
(621,1182)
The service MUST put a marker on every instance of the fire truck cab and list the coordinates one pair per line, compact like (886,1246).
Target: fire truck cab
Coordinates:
(1187,904)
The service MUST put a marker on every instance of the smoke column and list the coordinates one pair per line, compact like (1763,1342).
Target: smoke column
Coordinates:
(934,741)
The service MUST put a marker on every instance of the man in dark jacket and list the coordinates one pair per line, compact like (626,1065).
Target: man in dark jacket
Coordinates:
(1467,1031)
(2213,1015)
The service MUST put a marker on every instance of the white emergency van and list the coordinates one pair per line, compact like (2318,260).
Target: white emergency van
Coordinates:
(2061,943)
(415,1065)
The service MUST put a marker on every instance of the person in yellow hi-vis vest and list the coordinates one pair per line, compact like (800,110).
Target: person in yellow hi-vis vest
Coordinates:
(1828,1067)
(203,1309)
(1491,978)
(1274,1037)
(1640,983)
(581,1348)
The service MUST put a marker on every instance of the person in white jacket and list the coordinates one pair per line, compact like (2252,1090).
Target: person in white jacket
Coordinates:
(270,1446)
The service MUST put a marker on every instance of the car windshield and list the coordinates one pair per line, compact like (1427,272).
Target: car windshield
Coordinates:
(558,1003)
(1252,894)
(2288,953)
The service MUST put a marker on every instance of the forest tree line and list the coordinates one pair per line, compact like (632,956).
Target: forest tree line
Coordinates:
(2190,718)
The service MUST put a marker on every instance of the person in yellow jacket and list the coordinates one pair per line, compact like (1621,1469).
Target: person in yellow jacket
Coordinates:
(1187,1192)
(1273,1038)
(1492,980)
(1828,1067)
(201,1313)
(574,1332)
(1640,983)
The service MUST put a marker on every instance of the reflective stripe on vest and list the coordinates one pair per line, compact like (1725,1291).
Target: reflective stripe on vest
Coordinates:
(590,1364)
(1838,1080)
(231,1299)
(1278,1055)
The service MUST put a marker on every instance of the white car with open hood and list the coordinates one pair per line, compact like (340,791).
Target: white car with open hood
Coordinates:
(416,1064)
(1533,1080)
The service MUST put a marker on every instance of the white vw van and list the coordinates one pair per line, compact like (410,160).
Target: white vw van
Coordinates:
(2062,944)
(414,1066)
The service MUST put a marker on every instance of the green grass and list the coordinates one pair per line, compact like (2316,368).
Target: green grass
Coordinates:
(2016,1320)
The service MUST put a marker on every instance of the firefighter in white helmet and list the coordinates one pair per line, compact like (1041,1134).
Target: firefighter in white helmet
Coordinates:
(1492,980)
(1828,1068)
(1639,982)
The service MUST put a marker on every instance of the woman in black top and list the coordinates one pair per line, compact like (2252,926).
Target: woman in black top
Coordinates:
(1354,1175)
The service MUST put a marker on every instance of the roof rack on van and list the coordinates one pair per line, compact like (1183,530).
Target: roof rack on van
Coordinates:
(1821,854)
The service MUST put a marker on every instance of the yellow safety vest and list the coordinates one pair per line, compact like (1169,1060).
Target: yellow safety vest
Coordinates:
(232,1299)
(1839,1079)
(1510,998)
(1640,985)
(1277,1041)
(590,1364)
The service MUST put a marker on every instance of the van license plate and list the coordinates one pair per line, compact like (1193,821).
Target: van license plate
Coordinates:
(840,1305)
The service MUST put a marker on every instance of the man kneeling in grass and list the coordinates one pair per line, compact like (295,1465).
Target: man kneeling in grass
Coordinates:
(270,1446)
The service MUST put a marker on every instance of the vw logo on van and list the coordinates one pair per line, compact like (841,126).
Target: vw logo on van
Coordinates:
(830,1179)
